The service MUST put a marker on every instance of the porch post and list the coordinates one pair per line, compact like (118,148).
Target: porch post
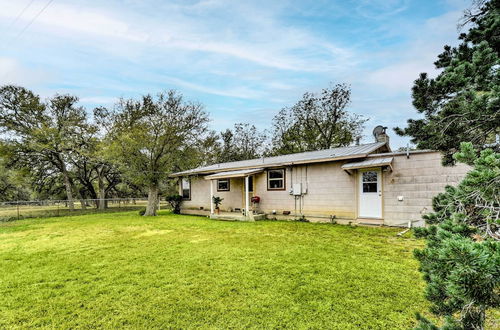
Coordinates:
(211,197)
(246,196)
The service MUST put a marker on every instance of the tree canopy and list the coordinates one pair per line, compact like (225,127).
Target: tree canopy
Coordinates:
(41,136)
(149,137)
(463,102)
(242,142)
(317,121)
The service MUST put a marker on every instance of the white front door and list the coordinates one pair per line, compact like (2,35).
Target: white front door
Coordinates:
(370,193)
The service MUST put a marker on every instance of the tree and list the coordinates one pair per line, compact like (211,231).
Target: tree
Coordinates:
(463,102)
(242,142)
(317,121)
(461,262)
(96,176)
(13,186)
(41,137)
(147,138)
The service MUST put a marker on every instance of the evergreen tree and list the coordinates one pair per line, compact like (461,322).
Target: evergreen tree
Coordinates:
(463,102)
(461,261)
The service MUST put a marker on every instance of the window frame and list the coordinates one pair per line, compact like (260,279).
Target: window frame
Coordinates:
(283,170)
(250,178)
(376,182)
(182,189)
(228,185)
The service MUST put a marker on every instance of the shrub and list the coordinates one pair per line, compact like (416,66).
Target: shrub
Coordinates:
(175,202)
(217,201)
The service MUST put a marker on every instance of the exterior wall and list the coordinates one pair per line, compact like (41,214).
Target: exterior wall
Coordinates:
(330,191)
(200,194)
(232,198)
(418,179)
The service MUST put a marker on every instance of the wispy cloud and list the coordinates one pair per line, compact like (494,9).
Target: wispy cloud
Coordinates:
(243,59)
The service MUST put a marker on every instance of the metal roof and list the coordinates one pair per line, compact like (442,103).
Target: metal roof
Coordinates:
(233,174)
(374,162)
(349,152)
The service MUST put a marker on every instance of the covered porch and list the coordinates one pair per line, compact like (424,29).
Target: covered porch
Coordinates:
(236,188)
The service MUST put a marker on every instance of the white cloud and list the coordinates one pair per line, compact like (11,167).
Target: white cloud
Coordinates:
(102,100)
(273,46)
(417,56)
(12,72)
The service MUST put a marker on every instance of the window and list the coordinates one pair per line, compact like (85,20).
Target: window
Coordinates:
(276,179)
(223,185)
(370,182)
(186,188)
(250,183)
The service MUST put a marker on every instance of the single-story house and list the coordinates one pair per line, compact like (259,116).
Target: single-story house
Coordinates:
(367,184)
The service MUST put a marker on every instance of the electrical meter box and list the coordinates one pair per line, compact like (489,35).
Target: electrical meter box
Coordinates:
(297,189)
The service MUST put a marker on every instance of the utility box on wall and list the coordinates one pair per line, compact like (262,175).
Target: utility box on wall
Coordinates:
(297,189)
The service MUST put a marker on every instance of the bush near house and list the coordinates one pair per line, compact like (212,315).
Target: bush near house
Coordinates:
(175,202)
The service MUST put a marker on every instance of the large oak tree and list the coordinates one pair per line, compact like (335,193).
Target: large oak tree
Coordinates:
(41,137)
(150,136)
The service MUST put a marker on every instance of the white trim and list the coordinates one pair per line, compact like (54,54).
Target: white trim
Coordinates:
(211,196)
(234,174)
(247,204)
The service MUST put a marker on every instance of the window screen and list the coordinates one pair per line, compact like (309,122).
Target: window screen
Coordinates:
(276,179)
(186,188)
(370,182)
(223,185)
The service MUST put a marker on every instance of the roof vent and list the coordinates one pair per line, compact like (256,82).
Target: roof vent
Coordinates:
(380,135)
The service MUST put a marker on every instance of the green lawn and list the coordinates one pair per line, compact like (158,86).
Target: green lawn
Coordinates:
(122,270)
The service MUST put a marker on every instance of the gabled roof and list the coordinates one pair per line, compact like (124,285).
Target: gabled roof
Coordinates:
(350,152)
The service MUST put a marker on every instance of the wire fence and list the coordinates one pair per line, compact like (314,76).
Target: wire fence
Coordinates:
(16,210)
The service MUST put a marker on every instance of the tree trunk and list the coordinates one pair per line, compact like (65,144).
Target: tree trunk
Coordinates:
(69,190)
(152,200)
(102,192)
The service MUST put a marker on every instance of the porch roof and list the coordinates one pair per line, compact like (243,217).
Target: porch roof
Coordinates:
(375,162)
(233,174)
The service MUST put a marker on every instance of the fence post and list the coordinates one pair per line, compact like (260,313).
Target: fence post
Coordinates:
(17,210)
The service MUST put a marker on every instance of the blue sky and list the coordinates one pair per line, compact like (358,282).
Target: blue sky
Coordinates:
(244,60)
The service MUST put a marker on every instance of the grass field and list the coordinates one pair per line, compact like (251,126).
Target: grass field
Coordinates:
(122,270)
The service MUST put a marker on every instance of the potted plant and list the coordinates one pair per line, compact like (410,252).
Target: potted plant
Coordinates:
(217,201)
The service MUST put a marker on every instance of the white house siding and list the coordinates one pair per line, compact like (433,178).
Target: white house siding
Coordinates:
(418,179)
